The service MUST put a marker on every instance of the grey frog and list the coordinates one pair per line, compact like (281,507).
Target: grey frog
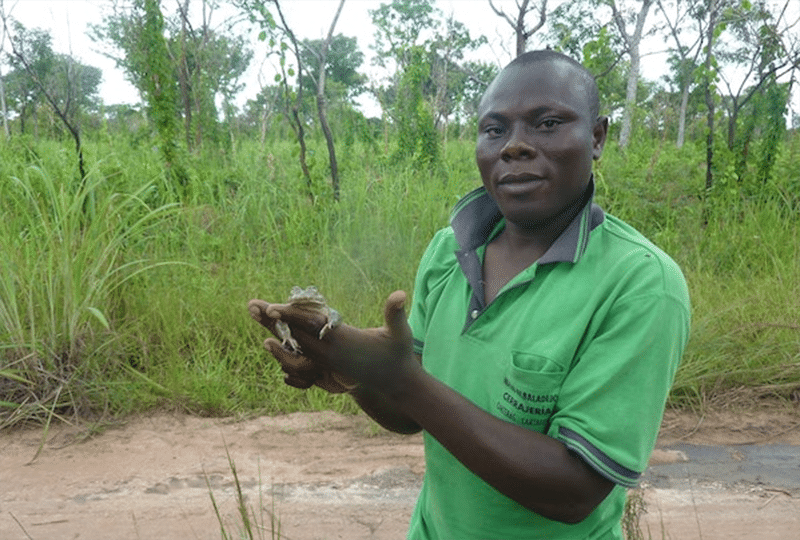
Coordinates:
(309,299)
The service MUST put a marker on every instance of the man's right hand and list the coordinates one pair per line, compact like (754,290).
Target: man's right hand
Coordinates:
(380,358)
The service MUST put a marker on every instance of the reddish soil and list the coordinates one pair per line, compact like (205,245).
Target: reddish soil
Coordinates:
(326,476)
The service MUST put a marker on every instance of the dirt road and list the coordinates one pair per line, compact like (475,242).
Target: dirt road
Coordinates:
(321,476)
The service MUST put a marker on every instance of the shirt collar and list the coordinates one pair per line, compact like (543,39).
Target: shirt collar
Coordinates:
(475,216)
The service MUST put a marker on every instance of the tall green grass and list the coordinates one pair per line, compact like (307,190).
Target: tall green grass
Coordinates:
(63,259)
(114,300)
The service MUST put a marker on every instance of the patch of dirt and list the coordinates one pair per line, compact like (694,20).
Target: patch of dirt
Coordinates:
(320,476)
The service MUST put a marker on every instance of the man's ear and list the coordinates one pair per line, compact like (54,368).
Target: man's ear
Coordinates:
(599,135)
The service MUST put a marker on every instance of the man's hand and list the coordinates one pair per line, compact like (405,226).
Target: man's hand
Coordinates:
(300,372)
(376,357)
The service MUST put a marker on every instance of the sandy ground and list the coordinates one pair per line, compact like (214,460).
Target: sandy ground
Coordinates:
(319,476)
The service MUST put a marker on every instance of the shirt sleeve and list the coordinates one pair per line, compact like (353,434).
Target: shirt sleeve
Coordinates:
(438,257)
(611,403)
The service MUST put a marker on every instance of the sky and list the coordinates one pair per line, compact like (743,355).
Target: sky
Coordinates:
(68,22)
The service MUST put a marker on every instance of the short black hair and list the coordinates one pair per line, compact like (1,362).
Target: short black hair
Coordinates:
(549,55)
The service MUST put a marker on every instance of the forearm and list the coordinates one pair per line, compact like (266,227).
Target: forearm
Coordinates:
(384,411)
(531,468)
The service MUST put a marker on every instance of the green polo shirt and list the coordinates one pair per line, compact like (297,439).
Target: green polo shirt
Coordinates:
(582,345)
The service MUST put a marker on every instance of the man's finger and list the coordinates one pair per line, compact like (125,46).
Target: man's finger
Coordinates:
(394,314)
(289,361)
(298,382)
(263,313)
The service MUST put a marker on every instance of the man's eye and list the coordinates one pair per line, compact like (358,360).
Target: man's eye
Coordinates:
(493,131)
(550,123)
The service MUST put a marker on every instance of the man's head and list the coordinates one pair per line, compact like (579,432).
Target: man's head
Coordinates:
(538,132)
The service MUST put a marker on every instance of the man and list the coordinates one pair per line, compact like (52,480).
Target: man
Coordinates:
(543,337)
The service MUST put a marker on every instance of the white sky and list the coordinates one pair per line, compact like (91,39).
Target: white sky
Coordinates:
(68,22)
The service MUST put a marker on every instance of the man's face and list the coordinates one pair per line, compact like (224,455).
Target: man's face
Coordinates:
(536,141)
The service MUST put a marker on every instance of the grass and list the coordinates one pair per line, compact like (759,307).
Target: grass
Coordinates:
(114,300)
(251,524)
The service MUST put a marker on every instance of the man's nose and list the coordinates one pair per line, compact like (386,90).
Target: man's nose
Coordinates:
(519,145)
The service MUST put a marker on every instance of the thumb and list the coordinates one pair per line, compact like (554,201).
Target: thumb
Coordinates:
(394,314)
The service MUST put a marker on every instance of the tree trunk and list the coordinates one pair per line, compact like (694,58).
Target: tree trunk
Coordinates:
(295,119)
(630,98)
(321,105)
(682,117)
(632,42)
(709,97)
(4,108)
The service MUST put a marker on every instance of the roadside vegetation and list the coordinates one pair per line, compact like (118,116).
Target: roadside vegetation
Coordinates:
(113,301)
(126,267)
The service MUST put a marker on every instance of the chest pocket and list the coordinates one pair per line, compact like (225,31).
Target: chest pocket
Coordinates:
(527,392)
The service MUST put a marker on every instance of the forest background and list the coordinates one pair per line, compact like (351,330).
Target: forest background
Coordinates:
(132,236)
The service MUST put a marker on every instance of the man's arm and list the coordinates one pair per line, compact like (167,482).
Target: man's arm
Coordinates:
(531,468)
(384,411)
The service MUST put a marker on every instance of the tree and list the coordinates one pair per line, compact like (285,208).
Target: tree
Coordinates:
(399,27)
(31,60)
(3,104)
(686,53)
(282,39)
(209,64)
(411,35)
(521,31)
(762,45)
(322,57)
(66,85)
(343,82)
(586,31)
(764,54)
(205,62)
(712,16)
(151,61)
(632,42)
(417,137)
(448,76)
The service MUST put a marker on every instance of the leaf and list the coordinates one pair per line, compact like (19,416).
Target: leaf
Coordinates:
(100,317)
(262,36)
(9,404)
(11,374)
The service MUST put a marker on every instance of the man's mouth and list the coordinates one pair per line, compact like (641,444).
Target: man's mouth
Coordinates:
(517,178)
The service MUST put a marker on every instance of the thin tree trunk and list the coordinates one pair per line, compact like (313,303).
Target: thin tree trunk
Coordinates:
(299,130)
(632,42)
(709,99)
(321,105)
(4,107)
(682,117)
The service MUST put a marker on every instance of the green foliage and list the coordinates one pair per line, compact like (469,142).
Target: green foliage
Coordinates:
(739,253)
(160,92)
(134,305)
(417,135)
(42,84)
(342,80)
(400,26)
(60,271)
(598,56)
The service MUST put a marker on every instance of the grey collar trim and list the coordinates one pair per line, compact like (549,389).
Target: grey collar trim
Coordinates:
(476,214)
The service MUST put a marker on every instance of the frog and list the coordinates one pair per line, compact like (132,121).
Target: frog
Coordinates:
(312,300)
